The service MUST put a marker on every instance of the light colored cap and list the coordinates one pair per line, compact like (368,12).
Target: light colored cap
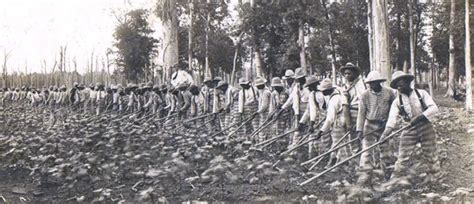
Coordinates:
(242,80)
(276,81)
(289,74)
(299,73)
(374,76)
(221,83)
(260,81)
(311,80)
(326,84)
(399,75)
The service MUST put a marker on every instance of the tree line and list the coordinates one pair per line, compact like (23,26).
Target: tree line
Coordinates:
(265,37)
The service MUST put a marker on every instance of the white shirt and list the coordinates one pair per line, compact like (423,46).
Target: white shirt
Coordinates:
(296,97)
(412,107)
(334,111)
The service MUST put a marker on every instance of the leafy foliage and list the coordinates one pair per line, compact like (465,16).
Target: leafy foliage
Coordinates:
(135,47)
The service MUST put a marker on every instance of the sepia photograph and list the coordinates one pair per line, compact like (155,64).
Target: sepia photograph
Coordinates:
(236,101)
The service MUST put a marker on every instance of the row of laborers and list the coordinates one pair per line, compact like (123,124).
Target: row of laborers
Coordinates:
(366,109)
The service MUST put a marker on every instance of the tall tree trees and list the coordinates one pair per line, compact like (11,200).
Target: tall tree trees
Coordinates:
(467,57)
(166,10)
(381,38)
(5,69)
(452,55)
(135,47)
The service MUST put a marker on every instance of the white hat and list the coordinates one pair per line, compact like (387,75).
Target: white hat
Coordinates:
(260,81)
(374,76)
(326,84)
(311,80)
(397,76)
(299,73)
(289,74)
(243,81)
(276,81)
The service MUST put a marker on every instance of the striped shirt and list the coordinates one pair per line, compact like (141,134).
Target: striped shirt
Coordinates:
(355,89)
(374,106)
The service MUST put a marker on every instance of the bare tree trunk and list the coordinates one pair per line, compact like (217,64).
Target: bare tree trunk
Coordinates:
(431,83)
(412,39)
(190,35)
(258,63)
(405,66)
(370,34)
(208,29)
(452,69)
(331,42)
(5,69)
(381,39)
(170,38)
(467,58)
(91,67)
(302,44)
(236,55)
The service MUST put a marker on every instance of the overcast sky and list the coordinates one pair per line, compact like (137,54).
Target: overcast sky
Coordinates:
(33,30)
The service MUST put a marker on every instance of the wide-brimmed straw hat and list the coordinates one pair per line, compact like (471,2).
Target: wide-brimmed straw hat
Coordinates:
(311,80)
(276,81)
(218,79)
(260,81)
(299,73)
(326,84)
(221,84)
(243,81)
(289,74)
(207,79)
(399,75)
(349,66)
(374,76)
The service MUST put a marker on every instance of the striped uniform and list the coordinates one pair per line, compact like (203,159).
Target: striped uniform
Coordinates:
(298,100)
(218,105)
(334,119)
(231,98)
(373,110)
(281,124)
(422,133)
(353,92)
(264,96)
(312,113)
(247,105)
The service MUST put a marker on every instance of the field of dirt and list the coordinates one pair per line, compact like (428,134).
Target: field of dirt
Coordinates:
(120,159)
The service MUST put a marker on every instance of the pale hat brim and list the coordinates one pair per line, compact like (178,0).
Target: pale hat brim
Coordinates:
(375,80)
(326,88)
(221,85)
(355,68)
(243,82)
(311,83)
(394,81)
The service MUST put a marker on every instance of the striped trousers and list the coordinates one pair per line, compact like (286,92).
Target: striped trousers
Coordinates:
(336,134)
(425,135)
(355,146)
(258,122)
(369,159)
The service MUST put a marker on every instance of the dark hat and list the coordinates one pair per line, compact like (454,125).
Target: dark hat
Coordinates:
(349,66)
